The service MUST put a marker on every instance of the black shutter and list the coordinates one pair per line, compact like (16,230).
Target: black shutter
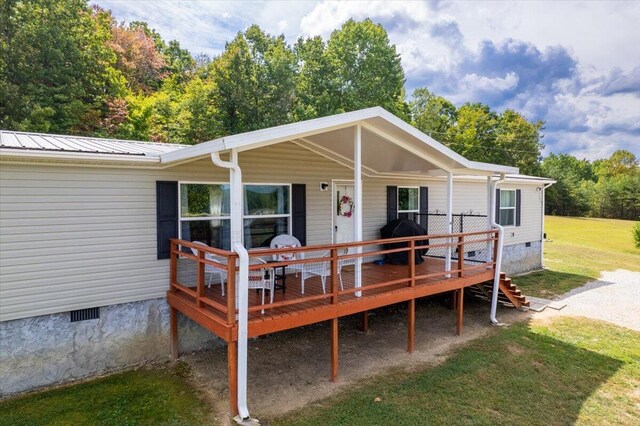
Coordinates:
(299,212)
(518,201)
(392,203)
(166,215)
(424,207)
(498,206)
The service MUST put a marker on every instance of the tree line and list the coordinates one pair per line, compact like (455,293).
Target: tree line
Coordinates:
(607,188)
(67,67)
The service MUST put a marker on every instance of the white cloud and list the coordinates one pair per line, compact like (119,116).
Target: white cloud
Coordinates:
(473,82)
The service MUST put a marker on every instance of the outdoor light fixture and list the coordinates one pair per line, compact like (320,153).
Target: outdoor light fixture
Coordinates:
(324,186)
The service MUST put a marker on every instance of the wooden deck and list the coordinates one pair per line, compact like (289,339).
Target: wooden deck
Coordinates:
(381,285)
(286,316)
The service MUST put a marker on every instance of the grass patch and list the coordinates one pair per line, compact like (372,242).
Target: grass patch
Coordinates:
(578,250)
(560,372)
(138,397)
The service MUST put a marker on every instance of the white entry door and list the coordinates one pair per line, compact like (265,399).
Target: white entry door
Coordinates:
(343,214)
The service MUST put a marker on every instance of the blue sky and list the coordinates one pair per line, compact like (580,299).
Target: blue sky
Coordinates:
(575,65)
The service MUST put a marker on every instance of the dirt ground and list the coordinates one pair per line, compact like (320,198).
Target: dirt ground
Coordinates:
(290,369)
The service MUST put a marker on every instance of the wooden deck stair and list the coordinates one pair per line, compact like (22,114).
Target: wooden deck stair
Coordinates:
(509,295)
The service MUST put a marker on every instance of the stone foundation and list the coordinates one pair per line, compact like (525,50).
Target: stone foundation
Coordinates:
(49,349)
(518,258)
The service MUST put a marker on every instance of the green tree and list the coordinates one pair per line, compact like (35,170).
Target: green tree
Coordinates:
(574,193)
(57,72)
(255,77)
(518,142)
(477,132)
(367,68)
(316,83)
(433,115)
(473,135)
(196,118)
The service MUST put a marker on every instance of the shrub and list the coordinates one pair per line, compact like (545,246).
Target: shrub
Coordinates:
(636,234)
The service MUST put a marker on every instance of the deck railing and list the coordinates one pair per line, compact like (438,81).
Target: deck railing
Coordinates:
(190,273)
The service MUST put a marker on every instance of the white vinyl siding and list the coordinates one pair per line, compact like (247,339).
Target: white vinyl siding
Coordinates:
(77,237)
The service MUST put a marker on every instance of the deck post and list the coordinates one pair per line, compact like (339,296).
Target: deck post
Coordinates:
(364,325)
(460,256)
(449,222)
(460,311)
(411,324)
(200,278)
(334,349)
(173,333)
(357,183)
(411,311)
(232,368)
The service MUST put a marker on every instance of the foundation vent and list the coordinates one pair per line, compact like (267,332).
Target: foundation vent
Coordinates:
(527,244)
(85,314)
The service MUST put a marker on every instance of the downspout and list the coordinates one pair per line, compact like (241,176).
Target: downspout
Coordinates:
(243,276)
(498,259)
(544,188)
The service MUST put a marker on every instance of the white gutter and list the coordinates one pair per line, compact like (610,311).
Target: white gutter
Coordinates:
(498,259)
(243,277)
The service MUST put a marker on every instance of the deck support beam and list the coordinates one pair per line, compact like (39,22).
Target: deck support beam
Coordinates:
(460,313)
(173,331)
(364,325)
(411,324)
(334,349)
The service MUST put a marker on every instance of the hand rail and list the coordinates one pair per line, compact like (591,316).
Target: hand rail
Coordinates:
(331,257)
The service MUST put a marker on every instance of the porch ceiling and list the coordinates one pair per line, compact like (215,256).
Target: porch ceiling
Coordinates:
(379,154)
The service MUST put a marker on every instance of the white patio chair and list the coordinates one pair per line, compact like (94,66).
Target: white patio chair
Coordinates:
(261,279)
(286,240)
(306,270)
(322,270)
(212,270)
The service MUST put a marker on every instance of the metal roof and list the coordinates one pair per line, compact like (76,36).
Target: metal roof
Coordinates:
(393,147)
(61,143)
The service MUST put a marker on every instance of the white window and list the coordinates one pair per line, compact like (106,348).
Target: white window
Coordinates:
(267,213)
(507,215)
(408,202)
(205,213)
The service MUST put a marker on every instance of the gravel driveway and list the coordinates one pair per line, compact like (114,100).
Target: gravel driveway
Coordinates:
(615,298)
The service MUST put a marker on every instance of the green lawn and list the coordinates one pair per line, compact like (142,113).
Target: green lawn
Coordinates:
(561,372)
(160,396)
(578,250)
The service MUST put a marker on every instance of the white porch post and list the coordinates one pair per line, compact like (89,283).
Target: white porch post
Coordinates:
(489,226)
(357,186)
(449,220)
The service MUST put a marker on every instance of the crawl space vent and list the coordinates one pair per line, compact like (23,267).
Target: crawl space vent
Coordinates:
(85,314)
